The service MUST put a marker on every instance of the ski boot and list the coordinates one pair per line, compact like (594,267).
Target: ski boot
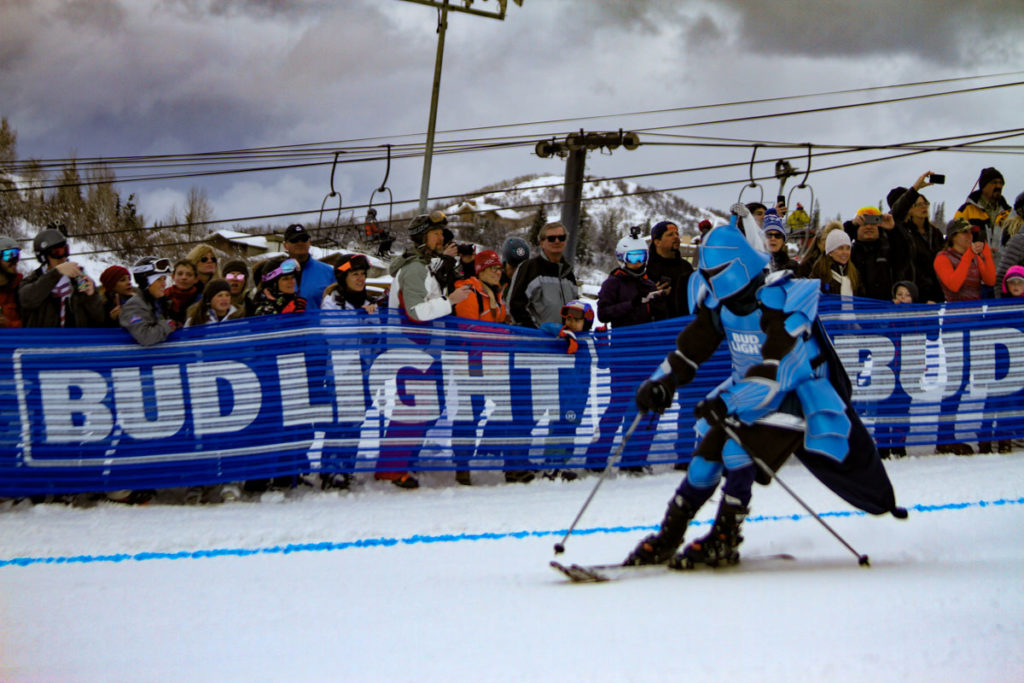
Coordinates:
(720,545)
(658,548)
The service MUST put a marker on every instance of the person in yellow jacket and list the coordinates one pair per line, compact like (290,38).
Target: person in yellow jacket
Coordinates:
(986,208)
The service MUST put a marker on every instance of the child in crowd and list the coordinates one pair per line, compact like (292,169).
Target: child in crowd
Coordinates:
(214,306)
(1013,281)
(905,292)
(117,288)
(182,294)
(577,317)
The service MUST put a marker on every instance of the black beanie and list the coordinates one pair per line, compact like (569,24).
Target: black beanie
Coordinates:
(894,195)
(1018,204)
(236,266)
(988,175)
(214,287)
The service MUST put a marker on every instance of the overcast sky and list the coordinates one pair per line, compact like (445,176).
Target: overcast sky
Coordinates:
(109,77)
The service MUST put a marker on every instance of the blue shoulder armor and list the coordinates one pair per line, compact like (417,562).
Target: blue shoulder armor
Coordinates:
(698,293)
(796,297)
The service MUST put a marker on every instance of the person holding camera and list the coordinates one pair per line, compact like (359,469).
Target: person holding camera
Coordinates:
(58,293)
(880,251)
(965,264)
(910,210)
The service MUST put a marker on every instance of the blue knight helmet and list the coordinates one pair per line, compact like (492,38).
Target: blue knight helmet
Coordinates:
(728,262)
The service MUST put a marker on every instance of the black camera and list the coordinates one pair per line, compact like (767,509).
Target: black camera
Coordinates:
(937,179)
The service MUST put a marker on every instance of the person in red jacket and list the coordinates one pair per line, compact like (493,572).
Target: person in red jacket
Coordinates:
(965,264)
(10,278)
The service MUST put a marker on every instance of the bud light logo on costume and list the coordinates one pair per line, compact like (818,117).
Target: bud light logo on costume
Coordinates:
(744,343)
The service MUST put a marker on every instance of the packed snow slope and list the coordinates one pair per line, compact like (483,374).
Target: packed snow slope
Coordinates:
(447,583)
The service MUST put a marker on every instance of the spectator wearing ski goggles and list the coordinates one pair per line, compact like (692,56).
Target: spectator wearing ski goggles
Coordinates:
(279,293)
(287,267)
(10,278)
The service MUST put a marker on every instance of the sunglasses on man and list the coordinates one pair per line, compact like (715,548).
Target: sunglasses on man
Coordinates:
(556,238)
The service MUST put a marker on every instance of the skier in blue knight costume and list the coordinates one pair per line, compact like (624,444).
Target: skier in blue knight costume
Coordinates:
(787,394)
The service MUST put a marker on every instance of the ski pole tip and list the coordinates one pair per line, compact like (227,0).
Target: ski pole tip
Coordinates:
(863,561)
(559,549)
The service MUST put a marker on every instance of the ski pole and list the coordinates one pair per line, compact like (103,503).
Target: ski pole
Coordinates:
(862,560)
(560,546)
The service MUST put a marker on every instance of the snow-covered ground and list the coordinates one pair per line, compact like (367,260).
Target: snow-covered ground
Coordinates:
(451,583)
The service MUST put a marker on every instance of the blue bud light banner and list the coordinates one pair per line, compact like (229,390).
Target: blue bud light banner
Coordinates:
(90,410)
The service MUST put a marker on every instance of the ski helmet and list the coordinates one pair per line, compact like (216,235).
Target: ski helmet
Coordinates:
(148,268)
(276,268)
(424,223)
(579,309)
(632,250)
(48,239)
(9,248)
(728,263)
(350,263)
(515,251)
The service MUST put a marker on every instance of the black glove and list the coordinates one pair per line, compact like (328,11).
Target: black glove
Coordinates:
(655,395)
(713,410)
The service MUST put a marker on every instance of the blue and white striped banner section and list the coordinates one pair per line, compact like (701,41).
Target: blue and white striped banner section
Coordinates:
(89,410)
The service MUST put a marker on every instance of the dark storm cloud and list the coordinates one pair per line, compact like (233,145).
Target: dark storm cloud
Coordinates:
(944,31)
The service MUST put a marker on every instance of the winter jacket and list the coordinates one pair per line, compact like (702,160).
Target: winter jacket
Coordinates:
(415,288)
(924,247)
(540,289)
(988,219)
(144,320)
(176,302)
(838,282)
(282,303)
(314,278)
(1012,253)
(620,300)
(234,313)
(882,262)
(485,303)
(962,275)
(678,271)
(40,308)
(782,261)
(335,299)
(10,309)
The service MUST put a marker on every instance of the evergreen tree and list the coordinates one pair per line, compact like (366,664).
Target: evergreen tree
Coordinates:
(584,252)
(8,146)
(816,217)
(939,215)
(540,219)
(67,205)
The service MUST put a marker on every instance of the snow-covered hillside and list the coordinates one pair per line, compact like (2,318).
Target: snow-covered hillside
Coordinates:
(637,207)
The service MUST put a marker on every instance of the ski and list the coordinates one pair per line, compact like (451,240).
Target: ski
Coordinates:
(598,573)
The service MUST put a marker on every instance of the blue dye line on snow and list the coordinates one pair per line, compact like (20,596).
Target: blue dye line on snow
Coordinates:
(441,538)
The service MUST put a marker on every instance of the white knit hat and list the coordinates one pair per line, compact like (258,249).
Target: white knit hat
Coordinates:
(836,239)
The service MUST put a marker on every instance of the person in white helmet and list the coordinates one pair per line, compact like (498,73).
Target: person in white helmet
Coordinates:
(627,297)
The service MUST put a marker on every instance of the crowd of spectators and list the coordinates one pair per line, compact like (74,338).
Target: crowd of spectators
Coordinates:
(896,255)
